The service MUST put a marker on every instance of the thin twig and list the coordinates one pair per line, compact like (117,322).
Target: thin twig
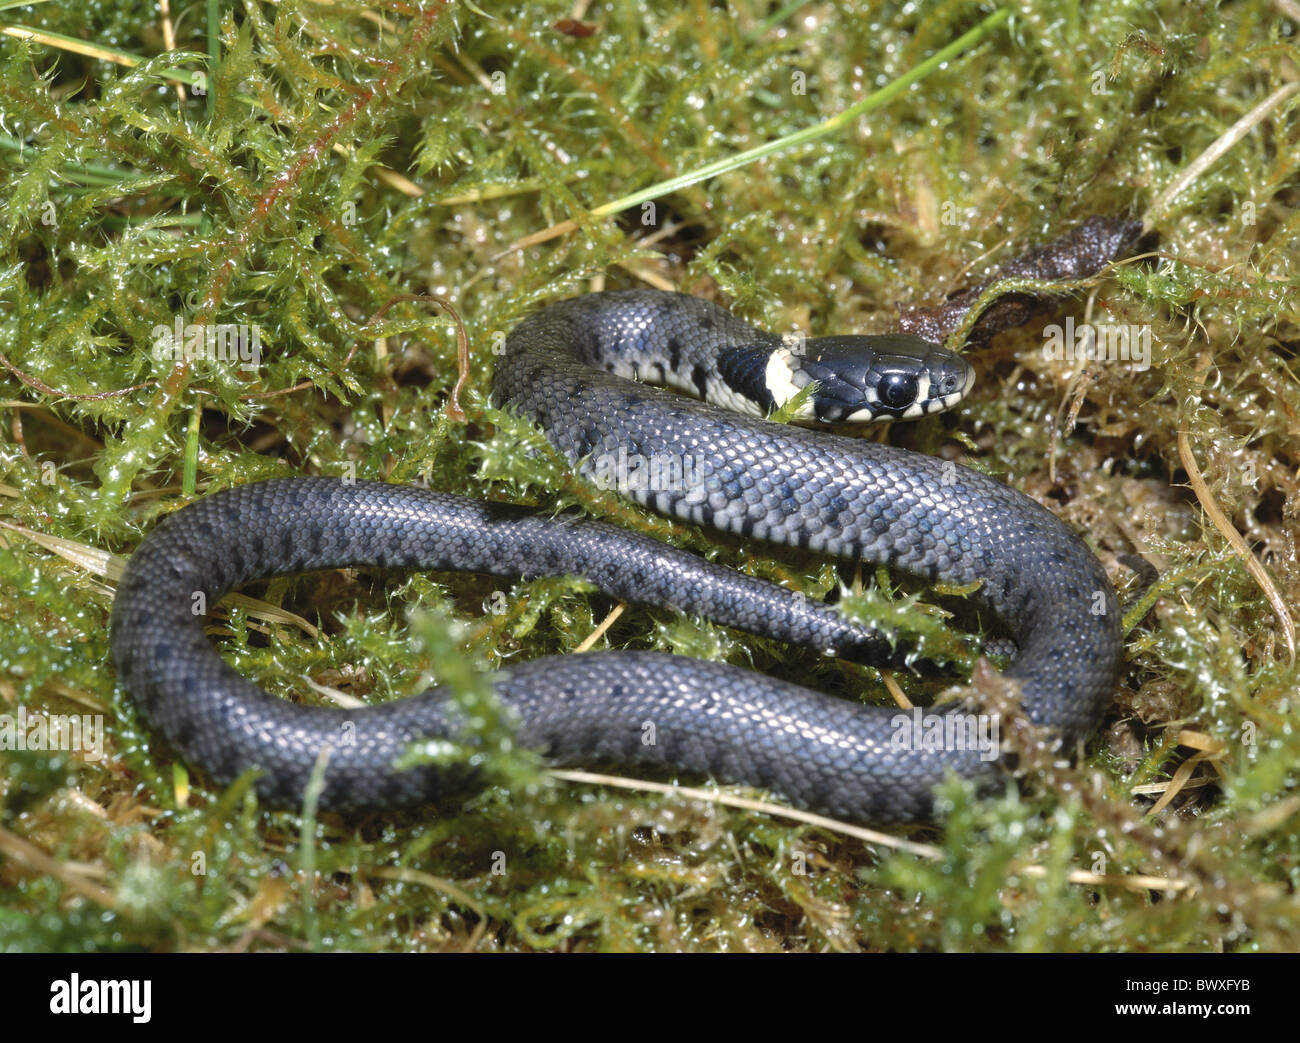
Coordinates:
(1220,520)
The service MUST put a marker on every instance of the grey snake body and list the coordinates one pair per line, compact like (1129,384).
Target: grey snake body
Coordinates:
(831,494)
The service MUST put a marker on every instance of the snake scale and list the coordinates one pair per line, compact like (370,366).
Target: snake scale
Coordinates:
(565,368)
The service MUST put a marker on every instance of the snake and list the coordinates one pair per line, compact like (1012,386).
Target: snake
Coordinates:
(602,376)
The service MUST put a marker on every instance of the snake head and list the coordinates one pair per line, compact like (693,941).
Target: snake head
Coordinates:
(863,379)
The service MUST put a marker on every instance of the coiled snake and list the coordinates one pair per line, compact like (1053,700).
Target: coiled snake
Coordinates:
(565,368)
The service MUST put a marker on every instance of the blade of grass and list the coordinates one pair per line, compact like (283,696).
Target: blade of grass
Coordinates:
(818,130)
(801,137)
(90,50)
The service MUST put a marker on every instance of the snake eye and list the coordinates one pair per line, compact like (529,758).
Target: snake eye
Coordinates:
(897,390)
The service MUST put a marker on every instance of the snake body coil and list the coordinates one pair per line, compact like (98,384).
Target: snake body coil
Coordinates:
(565,368)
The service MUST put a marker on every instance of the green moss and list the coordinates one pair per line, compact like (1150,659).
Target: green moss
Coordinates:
(125,207)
